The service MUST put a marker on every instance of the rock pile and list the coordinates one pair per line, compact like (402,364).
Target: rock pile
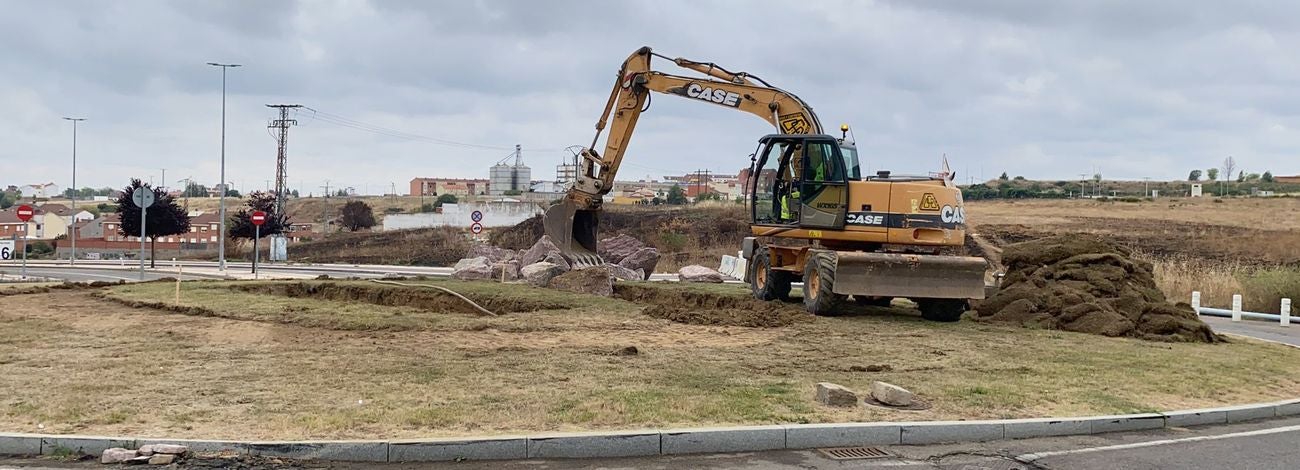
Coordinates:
(543,265)
(152,454)
(1087,284)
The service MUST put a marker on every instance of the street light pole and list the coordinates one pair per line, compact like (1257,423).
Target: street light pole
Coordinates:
(72,230)
(221,235)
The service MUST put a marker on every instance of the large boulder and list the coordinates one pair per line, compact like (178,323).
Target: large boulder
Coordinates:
(543,250)
(615,249)
(472,269)
(891,394)
(540,274)
(622,273)
(505,271)
(644,259)
(116,455)
(830,394)
(697,273)
(494,254)
(594,280)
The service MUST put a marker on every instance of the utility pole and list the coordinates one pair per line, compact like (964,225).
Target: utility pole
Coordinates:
(282,141)
(1146,186)
(163,183)
(1082,189)
(221,237)
(72,233)
(325,210)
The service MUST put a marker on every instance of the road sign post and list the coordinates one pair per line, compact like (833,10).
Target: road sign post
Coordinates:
(25,213)
(143,198)
(258,218)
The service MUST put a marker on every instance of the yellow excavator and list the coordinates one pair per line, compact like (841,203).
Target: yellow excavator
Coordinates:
(814,217)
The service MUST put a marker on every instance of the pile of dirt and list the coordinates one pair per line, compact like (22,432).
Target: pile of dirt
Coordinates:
(700,308)
(1087,284)
(423,299)
(441,246)
(683,235)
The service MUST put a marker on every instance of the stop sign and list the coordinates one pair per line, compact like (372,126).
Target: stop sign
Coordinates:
(25,212)
(258,217)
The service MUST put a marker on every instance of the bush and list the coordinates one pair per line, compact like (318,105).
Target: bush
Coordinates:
(427,207)
(39,248)
(394,210)
(1263,291)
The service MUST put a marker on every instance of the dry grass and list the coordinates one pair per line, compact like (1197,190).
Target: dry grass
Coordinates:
(279,369)
(1271,213)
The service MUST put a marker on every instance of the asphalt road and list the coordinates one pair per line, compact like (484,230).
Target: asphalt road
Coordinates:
(80,274)
(1268,330)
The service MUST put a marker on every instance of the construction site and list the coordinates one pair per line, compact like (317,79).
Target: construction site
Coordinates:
(808,291)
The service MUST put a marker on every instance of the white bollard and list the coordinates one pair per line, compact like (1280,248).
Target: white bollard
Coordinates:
(1286,312)
(1236,307)
(1196,302)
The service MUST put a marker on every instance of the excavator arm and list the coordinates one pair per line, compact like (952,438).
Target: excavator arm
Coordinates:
(572,223)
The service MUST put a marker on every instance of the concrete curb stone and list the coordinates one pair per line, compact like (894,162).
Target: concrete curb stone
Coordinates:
(20,444)
(1046,427)
(443,450)
(345,451)
(811,436)
(721,440)
(89,445)
(936,432)
(594,445)
(1186,418)
(1133,422)
(1288,408)
(1237,414)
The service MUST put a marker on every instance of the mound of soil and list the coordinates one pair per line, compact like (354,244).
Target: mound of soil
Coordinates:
(423,299)
(1087,284)
(699,308)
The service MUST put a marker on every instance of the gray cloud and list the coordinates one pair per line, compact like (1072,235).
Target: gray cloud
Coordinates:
(1044,89)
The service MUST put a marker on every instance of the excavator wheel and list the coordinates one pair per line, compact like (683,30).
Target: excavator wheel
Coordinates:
(941,310)
(818,283)
(767,283)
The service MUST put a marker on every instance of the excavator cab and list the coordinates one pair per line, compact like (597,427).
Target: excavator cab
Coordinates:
(801,180)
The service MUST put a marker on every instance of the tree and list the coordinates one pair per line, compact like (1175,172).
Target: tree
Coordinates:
(676,195)
(8,199)
(1267,177)
(162,219)
(1004,176)
(195,190)
(445,199)
(709,196)
(1195,175)
(294,193)
(1212,174)
(233,193)
(1241,176)
(241,223)
(1229,164)
(357,215)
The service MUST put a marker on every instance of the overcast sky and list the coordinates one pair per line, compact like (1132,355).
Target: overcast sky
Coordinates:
(1044,89)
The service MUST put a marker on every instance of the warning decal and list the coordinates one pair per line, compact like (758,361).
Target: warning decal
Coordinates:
(929,203)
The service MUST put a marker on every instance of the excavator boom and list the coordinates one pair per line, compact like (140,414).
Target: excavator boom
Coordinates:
(572,224)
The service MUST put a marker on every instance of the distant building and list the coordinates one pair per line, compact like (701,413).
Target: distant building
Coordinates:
(1287,179)
(454,186)
(11,226)
(566,173)
(43,190)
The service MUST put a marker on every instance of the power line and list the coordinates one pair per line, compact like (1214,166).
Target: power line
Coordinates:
(342,121)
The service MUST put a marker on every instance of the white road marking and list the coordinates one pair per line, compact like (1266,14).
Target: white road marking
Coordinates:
(1138,445)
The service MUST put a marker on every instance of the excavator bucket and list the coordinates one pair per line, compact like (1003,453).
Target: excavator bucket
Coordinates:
(909,275)
(573,230)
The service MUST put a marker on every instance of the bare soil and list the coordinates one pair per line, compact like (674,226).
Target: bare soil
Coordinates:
(703,308)
(423,299)
(422,247)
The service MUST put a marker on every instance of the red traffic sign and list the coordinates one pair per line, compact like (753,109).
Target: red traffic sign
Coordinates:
(25,212)
(258,218)
(477,228)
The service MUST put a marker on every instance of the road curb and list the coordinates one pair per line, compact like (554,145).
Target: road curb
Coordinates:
(644,443)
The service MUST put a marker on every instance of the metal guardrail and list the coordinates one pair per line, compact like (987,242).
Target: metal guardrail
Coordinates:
(1283,317)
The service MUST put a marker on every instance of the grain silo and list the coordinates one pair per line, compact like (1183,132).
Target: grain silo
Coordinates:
(513,179)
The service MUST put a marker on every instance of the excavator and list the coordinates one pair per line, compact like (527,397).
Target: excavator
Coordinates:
(814,217)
